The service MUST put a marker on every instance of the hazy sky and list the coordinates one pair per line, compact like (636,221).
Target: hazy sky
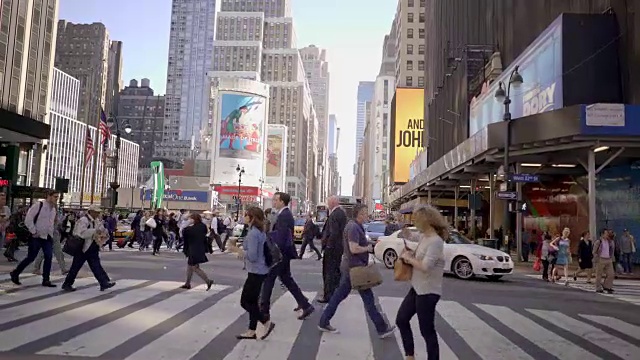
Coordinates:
(351,30)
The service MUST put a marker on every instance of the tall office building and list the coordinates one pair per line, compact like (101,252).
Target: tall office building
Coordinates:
(365,94)
(114,76)
(256,40)
(314,60)
(82,51)
(333,136)
(193,28)
(408,28)
(27,43)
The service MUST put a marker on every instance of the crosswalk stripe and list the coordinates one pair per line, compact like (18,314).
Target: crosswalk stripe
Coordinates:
(8,287)
(390,306)
(543,338)
(34,292)
(98,341)
(598,337)
(183,343)
(351,321)
(46,304)
(24,334)
(616,324)
(7,276)
(281,340)
(482,338)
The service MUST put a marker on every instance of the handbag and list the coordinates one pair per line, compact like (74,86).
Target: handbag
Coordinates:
(402,271)
(365,277)
(537,265)
(73,245)
(151,223)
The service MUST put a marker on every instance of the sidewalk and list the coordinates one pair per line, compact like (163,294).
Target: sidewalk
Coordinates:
(527,268)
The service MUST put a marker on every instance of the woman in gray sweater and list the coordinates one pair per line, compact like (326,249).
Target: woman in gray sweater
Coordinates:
(257,270)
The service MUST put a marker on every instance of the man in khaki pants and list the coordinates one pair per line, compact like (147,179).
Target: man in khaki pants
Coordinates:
(603,259)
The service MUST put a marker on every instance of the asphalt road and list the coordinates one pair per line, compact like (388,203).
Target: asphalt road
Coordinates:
(145,317)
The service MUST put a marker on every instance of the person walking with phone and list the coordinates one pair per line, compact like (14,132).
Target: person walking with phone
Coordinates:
(40,221)
(427,262)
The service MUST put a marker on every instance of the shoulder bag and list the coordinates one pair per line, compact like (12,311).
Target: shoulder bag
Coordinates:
(362,277)
(74,244)
(401,270)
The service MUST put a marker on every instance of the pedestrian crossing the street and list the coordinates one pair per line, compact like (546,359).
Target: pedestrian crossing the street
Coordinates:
(142,320)
(624,290)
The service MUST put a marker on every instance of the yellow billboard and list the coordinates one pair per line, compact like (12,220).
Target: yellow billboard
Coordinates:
(408,131)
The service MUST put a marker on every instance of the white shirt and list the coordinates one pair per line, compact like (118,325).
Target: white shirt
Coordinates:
(430,252)
(86,228)
(46,220)
(214,225)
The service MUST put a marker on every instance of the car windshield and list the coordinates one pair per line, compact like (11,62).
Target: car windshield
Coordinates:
(376,227)
(300,222)
(457,238)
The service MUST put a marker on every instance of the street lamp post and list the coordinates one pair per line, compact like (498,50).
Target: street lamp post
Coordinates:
(261,180)
(111,121)
(240,172)
(504,96)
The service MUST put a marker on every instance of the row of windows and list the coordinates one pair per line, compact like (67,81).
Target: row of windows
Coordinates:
(410,65)
(409,81)
(421,48)
(411,3)
(410,17)
(410,33)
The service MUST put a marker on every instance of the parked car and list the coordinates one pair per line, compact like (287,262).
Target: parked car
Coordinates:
(375,229)
(462,257)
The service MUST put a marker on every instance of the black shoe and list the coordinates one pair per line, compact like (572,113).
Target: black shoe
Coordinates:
(68,288)
(185,286)
(48,284)
(245,337)
(209,284)
(297,309)
(609,291)
(306,313)
(15,278)
(108,285)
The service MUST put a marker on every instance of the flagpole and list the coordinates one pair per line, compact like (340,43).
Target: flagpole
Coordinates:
(94,172)
(104,174)
(84,165)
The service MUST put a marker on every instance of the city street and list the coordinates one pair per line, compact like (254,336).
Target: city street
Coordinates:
(147,317)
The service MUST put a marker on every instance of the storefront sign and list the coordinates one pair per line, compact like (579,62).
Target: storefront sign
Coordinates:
(4,182)
(180,195)
(243,190)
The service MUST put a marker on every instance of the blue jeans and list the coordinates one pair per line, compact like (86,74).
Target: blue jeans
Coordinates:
(35,244)
(341,293)
(625,260)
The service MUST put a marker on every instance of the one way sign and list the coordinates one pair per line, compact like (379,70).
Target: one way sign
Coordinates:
(507,195)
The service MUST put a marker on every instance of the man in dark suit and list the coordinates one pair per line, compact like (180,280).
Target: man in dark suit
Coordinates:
(332,244)
(282,235)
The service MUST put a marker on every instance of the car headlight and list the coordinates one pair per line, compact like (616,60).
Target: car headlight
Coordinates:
(368,237)
(483,257)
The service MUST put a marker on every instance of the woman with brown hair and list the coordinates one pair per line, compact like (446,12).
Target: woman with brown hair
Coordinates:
(427,262)
(195,249)
(257,270)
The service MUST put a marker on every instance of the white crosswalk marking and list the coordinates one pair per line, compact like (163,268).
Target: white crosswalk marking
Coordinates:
(98,341)
(30,280)
(185,324)
(624,290)
(598,337)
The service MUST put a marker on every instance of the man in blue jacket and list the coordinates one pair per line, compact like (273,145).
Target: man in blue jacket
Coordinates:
(282,236)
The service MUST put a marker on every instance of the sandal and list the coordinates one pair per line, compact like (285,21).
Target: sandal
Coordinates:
(246,336)
(269,331)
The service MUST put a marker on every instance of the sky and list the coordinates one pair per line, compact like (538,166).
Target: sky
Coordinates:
(352,31)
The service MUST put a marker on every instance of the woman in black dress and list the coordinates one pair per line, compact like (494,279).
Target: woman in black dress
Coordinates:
(195,249)
(585,256)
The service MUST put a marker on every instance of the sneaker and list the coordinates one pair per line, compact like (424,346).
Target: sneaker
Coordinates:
(387,332)
(328,328)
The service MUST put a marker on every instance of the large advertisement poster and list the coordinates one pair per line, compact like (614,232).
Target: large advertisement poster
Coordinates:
(275,148)
(408,131)
(241,128)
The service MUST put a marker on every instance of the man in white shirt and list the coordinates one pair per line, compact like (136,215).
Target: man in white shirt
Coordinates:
(40,221)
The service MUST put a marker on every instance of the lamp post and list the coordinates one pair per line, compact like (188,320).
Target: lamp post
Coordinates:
(240,172)
(261,180)
(504,96)
(111,121)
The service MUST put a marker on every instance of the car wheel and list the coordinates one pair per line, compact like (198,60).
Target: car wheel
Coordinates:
(462,268)
(389,258)
(494,277)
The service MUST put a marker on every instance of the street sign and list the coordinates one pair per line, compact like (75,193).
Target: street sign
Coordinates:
(525,178)
(507,195)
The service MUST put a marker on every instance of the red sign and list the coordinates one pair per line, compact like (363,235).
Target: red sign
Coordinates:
(4,182)
(233,190)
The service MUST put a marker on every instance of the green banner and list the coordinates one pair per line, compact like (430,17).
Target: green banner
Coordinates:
(158,184)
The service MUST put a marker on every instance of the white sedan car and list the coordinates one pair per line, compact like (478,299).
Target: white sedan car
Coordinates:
(462,257)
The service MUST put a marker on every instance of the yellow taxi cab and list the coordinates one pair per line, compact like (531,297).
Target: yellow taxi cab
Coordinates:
(298,228)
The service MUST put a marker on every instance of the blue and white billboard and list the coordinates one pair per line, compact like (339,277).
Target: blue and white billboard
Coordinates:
(541,68)
(179,195)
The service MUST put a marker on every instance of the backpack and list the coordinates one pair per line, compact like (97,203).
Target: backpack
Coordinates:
(220,226)
(272,253)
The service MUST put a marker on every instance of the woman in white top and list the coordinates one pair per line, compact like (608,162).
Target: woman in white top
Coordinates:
(427,262)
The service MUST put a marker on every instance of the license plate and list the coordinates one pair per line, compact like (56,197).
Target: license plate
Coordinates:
(506,266)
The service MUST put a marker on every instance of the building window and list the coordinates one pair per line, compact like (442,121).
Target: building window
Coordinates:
(420,81)
(409,64)
(422,3)
(409,33)
(386,92)
(410,3)
(410,17)
(421,65)
(410,49)
(409,81)
(421,33)
(421,17)
(421,49)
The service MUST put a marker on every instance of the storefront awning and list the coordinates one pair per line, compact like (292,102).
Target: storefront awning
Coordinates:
(21,129)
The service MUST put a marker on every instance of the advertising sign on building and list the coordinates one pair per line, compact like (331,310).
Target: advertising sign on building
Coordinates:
(541,68)
(179,195)
(275,159)
(408,131)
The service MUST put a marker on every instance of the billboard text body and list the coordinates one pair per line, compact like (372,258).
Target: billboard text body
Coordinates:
(408,134)
(242,125)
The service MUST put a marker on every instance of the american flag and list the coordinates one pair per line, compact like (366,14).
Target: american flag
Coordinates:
(104,130)
(89,150)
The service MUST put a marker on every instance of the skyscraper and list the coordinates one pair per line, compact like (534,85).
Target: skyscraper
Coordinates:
(193,28)
(90,66)
(408,29)
(333,134)
(114,83)
(365,94)
(316,69)
(255,39)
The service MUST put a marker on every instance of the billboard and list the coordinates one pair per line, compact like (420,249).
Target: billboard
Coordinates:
(541,69)
(241,129)
(408,131)
(275,156)
(178,195)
